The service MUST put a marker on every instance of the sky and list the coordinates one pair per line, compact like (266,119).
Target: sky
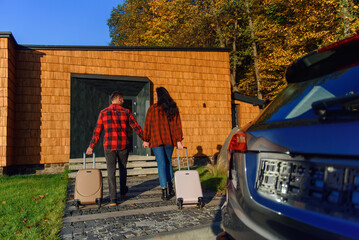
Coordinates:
(58,22)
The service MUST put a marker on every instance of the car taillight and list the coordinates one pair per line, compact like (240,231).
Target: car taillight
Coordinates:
(238,142)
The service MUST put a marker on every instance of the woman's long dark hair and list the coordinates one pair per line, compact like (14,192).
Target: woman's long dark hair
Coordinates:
(167,104)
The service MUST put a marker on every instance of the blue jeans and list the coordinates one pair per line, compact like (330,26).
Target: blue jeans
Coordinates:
(163,155)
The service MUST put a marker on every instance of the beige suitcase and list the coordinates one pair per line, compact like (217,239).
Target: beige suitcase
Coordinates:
(88,185)
(187,186)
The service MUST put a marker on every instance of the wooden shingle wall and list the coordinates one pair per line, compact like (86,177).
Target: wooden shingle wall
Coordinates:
(7,100)
(11,103)
(246,112)
(29,136)
(3,98)
(197,80)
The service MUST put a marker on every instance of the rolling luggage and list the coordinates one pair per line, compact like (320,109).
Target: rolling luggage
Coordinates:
(187,186)
(88,185)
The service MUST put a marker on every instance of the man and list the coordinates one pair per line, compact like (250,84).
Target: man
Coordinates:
(114,121)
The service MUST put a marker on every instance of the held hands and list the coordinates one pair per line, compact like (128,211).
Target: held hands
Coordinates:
(146,144)
(89,151)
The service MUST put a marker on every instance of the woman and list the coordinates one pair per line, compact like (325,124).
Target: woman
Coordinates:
(163,131)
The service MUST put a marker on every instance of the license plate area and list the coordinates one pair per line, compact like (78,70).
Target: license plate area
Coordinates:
(330,188)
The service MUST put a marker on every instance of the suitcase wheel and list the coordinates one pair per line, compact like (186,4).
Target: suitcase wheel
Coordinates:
(77,203)
(98,202)
(200,203)
(179,203)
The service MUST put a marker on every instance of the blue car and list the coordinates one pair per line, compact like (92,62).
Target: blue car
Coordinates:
(294,171)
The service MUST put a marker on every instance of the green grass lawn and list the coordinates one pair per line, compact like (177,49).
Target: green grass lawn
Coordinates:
(212,178)
(31,207)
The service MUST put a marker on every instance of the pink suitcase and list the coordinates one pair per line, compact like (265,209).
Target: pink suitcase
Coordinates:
(88,185)
(187,186)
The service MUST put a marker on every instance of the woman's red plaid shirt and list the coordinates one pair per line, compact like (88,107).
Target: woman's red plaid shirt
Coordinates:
(160,131)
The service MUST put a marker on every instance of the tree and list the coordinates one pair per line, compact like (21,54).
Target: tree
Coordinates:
(265,35)
(349,15)
(286,30)
(128,22)
(254,49)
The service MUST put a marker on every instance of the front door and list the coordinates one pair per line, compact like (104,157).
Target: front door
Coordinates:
(129,104)
(90,94)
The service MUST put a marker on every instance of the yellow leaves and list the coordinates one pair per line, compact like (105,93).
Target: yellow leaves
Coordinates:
(285,37)
(4,202)
(284,30)
(24,221)
(40,197)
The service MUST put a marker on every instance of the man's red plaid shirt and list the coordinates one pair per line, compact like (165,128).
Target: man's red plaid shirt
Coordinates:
(160,131)
(114,120)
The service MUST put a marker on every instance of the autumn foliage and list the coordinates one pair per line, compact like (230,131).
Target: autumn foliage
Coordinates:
(264,35)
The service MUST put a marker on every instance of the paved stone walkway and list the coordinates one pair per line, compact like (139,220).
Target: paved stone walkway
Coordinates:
(140,215)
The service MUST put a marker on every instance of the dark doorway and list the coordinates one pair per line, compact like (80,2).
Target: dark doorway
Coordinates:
(128,103)
(90,94)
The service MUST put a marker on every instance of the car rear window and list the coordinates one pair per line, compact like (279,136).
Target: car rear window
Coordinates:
(295,102)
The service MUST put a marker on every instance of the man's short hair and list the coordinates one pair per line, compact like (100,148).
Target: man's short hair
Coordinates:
(115,95)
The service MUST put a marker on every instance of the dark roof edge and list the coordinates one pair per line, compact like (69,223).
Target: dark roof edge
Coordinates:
(110,77)
(116,48)
(108,48)
(8,35)
(248,99)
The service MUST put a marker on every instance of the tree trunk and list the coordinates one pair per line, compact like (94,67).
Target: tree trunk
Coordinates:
(345,17)
(255,54)
(219,34)
(234,62)
(233,75)
(222,44)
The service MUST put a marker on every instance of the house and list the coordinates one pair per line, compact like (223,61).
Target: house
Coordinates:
(245,108)
(50,97)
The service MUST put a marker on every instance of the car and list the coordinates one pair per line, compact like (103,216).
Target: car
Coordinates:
(293,172)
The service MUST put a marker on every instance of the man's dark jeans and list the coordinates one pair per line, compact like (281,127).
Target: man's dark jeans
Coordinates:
(111,158)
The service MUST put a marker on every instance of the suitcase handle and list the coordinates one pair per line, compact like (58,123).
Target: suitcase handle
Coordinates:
(93,160)
(179,164)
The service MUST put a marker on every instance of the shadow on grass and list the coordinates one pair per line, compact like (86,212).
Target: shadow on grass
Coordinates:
(212,183)
(205,172)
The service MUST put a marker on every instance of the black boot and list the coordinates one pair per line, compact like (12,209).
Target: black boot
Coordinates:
(123,191)
(164,194)
(170,189)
